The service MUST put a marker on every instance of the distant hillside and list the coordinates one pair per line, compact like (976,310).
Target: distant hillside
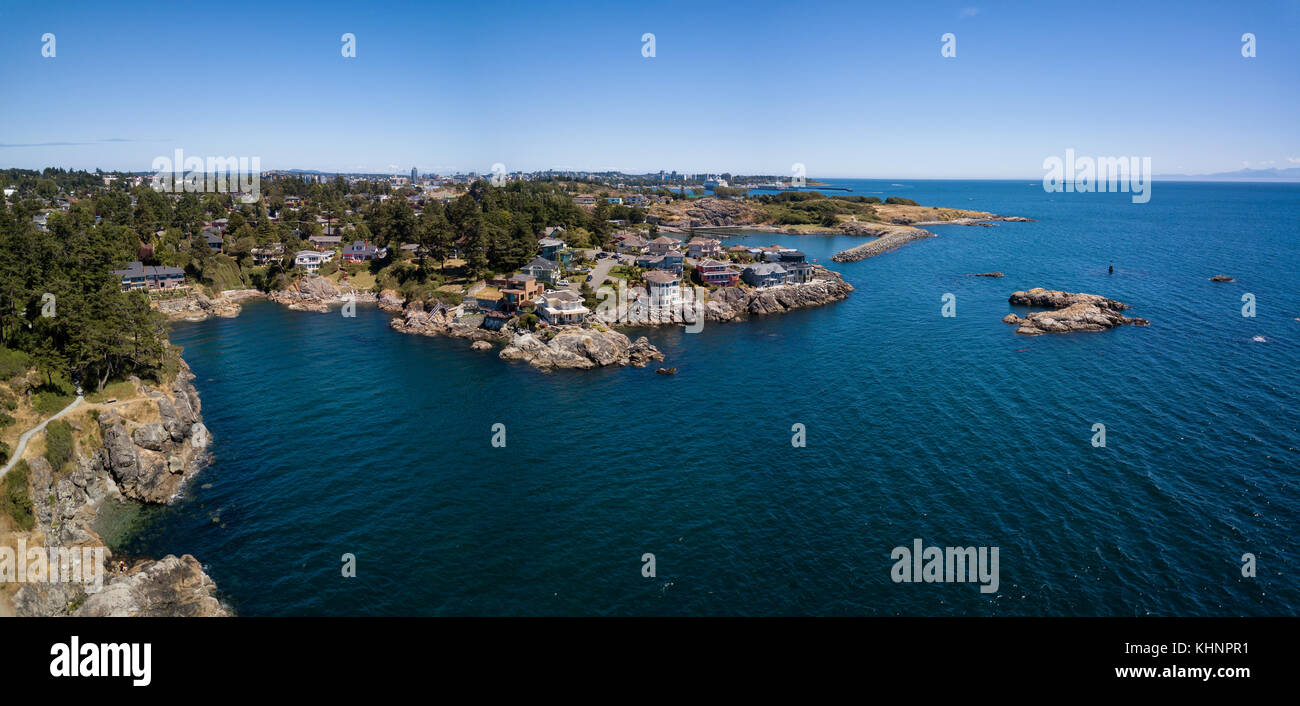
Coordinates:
(1290,174)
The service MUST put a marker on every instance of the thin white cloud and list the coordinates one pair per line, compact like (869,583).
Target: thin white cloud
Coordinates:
(969,12)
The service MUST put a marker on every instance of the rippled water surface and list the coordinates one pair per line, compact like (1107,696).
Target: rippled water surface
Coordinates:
(337,435)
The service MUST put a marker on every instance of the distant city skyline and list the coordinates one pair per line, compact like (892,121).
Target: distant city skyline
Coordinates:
(847,89)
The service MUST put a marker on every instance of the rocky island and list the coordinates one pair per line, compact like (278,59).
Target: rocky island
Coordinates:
(1068,312)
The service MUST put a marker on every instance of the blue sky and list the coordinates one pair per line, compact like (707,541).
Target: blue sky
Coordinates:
(846,88)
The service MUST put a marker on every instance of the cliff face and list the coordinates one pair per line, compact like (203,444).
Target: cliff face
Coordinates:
(580,348)
(733,303)
(314,293)
(142,461)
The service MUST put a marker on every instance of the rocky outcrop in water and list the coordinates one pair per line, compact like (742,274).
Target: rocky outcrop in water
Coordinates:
(1221,278)
(580,348)
(441,322)
(1069,312)
(887,237)
(319,294)
(170,587)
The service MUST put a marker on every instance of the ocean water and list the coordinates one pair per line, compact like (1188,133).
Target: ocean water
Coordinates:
(339,436)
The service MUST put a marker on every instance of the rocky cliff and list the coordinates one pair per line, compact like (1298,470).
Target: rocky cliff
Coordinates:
(148,451)
(319,294)
(1068,312)
(581,348)
(733,303)
(198,306)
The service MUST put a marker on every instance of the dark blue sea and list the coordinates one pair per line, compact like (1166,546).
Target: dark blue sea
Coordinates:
(339,436)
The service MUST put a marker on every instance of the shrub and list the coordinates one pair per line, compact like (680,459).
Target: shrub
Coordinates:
(49,401)
(15,501)
(13,363)
(58,443)
(901,201)
(5,420)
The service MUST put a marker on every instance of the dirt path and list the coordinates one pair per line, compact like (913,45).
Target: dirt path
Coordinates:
(22,440)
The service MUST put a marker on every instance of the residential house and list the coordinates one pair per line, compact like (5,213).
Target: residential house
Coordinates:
(311,260)
(213,239)
(763,274)
(703,247)
(553,249)
(797,272)
(266,255)
(663,244)
(520,290)
(361,251)
(664,290)
(616,200)
(325,242)
(633,244)
(138,276)
(717,274)
(584,200)
(542,269)
(562,307)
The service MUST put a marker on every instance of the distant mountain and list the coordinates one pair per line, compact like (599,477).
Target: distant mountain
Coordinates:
(1290,174)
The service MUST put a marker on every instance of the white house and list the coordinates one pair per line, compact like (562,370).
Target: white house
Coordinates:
(311,260)
(664,290)
(562,307)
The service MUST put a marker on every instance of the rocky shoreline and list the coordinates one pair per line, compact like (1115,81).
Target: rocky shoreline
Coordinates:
(1068,312)
(147,456)
(199,307)
(318,294)
(901,231)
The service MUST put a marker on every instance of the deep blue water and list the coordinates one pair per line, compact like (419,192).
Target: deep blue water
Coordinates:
(337,435)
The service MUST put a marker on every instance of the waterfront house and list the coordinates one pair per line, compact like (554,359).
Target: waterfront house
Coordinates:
(311,260)
(150,278)
(562,307)
(797,272)
(717,274)
(664,290)
(703,247)
(542,269)
(763,274)
(520,290)
(791,256)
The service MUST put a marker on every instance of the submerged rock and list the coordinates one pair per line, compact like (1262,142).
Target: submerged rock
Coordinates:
(1069,312)
(1221,278)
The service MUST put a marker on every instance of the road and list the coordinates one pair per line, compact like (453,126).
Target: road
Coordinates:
(22,440)
(598,274)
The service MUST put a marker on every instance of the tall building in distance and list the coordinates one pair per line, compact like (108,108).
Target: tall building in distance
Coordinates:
(414,173)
